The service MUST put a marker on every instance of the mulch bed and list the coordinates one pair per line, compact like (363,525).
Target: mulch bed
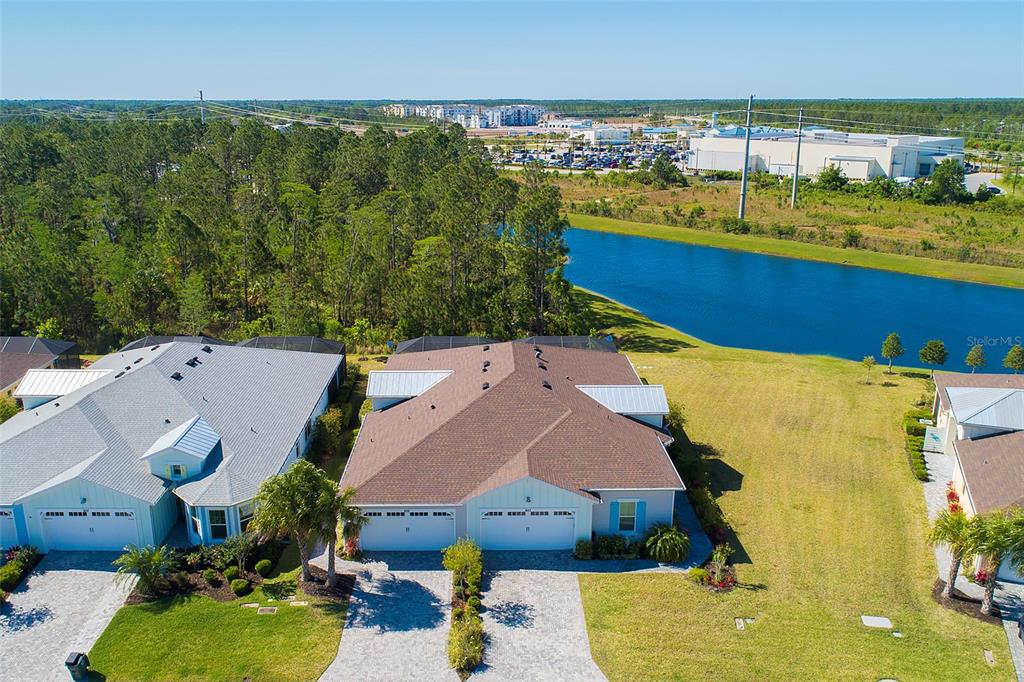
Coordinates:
(317,587)
(197,585)
(961,603)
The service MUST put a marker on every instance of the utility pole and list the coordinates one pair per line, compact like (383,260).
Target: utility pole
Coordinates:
(202,109)
(796,166)
(746,161)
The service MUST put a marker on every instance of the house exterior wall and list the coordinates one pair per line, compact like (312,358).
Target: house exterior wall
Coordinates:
(660,507)
(165,515)
(159,464)
(69,496)
(541,495)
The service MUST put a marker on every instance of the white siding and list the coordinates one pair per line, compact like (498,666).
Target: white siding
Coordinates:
(542,496)
(69,496)
(660,508)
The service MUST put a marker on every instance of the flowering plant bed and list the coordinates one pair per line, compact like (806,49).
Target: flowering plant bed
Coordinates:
(725,582)
(194,582)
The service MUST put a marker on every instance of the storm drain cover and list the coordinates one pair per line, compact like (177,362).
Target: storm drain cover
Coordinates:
(876,622)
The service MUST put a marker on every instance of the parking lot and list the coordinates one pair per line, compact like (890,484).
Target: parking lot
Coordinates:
(598,157)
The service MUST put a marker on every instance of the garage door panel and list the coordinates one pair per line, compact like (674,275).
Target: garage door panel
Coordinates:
(96,529)
(419,530)
(532,529)
(8,531)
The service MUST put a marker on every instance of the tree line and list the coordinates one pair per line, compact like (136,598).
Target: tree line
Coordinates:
(114,230)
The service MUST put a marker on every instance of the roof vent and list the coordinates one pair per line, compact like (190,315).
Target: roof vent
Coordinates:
(155,347)
(167,421)
(541,365)
(176,376)
(487,363)
(485,386)
(193,362)
(127,367)
(207,349)
(119,375)
(137,361)
(432,407)
(487,347)
(56,404)
(536,348)
(545,385)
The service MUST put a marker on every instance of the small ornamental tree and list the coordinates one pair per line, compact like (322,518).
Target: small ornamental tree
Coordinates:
(933,353)
(833,178)
(151,565)
(1014,358)
(954,530)
(892,348)
(975,357)
(869,363)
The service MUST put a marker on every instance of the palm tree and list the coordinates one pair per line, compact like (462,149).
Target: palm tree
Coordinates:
(667,544)
(295,503)
(151,565)
(340,515)
(953,529)
(996,536)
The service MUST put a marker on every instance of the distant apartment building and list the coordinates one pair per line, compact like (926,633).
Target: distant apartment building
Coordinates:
(860,156)
(470,116)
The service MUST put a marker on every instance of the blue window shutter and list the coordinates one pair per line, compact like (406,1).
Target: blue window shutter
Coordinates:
(613,516)
(641,508)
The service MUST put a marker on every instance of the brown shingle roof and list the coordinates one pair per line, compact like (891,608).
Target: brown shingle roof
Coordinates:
(994,469)
(458,440)
(13,366)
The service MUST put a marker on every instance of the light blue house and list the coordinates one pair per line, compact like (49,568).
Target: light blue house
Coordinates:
(526,445)
(174,433)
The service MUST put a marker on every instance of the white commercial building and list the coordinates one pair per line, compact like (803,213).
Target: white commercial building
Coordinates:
(601,135)
(860,156)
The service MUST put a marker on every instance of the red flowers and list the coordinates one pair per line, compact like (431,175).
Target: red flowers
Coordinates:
(981,577)
(953,498)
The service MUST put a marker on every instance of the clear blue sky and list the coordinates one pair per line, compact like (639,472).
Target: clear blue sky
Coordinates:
(158,49)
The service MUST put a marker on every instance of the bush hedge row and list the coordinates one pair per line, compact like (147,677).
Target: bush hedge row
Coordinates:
(914,432)
(466,637)
(20,560)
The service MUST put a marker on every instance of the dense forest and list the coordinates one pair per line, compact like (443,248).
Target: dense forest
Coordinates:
(995,124)
(113,230)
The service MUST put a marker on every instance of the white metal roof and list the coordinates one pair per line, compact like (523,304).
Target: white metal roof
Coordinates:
(1000,408)
(54,383)
(630,399)
(384,383)
(195,437)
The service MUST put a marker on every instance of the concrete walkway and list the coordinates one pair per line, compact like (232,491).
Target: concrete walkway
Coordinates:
(64,605)
(397,624)
(1009,596)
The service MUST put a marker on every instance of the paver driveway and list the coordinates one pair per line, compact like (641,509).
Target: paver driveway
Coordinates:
(398,618)
(64,606)
(535,628)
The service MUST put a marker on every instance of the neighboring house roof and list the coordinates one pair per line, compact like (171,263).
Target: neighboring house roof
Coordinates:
(39,383)
(308,344)
(256,400)
(150,341)
(425,343)
(482,428)
(604,343)
(998,408)
(994,469)
(18,354)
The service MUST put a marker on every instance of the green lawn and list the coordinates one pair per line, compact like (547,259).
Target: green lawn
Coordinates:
(970,272)
(197,638)
(830,525)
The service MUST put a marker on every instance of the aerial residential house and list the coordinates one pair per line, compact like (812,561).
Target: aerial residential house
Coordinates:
(980,421)
(18,354)
(519,445)
(148,438)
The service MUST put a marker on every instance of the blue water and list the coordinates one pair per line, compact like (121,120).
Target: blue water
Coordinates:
(749,300)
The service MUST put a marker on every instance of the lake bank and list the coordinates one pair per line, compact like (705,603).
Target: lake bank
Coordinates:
(911,265)
(742,299)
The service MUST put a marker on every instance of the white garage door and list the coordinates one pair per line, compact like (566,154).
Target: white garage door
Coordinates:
(528,529)
(100,529)
(407,530)
(8,533)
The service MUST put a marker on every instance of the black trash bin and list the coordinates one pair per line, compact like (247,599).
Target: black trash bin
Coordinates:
(77,664)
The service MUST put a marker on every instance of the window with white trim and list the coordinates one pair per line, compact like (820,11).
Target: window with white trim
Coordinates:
(177,471)
(627,516)
(373,513)
(517,513)
(419,513)
(245,514)
(401,513)
(218,523)
(563,513)
(78,513)
(101,513)
(448,514)
(197,527)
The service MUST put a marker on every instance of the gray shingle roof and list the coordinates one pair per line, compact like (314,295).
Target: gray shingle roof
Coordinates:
(257,400)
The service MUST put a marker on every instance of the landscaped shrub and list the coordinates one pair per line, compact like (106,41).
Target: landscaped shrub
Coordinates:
(667,544)
(610,546)
(914,442)
(466,563)
(473,603)
(20,560)
(211,576)
(231,573)
(10,576)
(584,549)
(698,575)
(180,579)
(466,641)
(264,567)
(240,586)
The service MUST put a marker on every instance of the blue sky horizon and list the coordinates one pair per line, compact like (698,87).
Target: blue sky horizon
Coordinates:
(272,49)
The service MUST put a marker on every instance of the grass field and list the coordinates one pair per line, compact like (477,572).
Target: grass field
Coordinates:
(197,638)
(988,233)
(830,525)
(970,272)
